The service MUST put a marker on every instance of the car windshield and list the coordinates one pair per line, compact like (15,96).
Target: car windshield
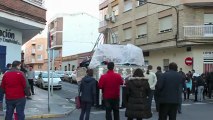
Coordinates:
(45,75)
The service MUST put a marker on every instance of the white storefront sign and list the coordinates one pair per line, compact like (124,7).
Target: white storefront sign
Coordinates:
(12,39)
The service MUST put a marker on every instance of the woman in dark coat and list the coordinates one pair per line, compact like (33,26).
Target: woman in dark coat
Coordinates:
(136,98)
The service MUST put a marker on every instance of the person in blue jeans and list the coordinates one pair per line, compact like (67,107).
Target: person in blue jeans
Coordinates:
(14,86)
(88,94)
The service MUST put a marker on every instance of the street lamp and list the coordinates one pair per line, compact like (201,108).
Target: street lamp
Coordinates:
(177,13)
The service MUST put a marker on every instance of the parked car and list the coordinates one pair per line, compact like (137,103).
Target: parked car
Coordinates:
(73,77)
(67,76)
(42,80)
(36,76)
(60,74)
(70,76)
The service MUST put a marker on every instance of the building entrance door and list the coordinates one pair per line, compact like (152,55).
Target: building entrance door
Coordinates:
(2,57)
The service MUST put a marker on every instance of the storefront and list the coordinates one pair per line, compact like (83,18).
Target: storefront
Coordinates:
(202,58)
(10,45)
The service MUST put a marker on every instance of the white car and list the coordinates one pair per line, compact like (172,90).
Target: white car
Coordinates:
(42,81)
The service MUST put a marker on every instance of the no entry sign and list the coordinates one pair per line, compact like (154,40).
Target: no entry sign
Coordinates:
(189,61)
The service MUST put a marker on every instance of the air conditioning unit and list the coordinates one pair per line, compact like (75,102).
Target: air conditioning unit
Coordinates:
(107,17)
(113,18)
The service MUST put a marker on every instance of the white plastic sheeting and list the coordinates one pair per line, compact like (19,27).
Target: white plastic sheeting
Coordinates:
(119,54)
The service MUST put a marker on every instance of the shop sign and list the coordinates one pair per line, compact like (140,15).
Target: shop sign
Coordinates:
(6,35)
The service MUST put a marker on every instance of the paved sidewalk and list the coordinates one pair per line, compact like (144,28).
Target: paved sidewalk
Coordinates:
(38,106)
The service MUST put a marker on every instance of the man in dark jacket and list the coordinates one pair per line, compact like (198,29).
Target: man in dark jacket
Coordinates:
(209,80)
(110,84)
(168,89)
(158,75)
(88,94)
(14,85)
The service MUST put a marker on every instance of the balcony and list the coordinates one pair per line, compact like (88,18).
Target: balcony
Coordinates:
(38,3)
(198,32)
(198,2)
(33,52)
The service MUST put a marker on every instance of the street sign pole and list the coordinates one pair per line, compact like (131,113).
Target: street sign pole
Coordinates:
(48,41)
(52,72)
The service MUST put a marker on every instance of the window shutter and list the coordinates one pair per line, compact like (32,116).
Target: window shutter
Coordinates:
(208,18)
(127,33)
(115,9)
(165,23)
(127,5)
(142,29)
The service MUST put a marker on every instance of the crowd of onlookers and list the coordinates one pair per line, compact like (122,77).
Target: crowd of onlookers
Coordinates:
(200,85)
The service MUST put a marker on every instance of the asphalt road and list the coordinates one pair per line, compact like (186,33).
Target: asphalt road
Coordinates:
(190,110)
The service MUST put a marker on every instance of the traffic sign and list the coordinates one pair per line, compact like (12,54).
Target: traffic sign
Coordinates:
(188,61)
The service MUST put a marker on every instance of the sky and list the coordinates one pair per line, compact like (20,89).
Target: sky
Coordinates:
(55,7)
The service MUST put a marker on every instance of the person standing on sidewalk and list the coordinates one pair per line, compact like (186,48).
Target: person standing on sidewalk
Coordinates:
(110,85)
(152,79)
(158,75)
(200,88)
(168,90)
(209,81)
(136,97)
(14,85)
(88,94)
(30,77)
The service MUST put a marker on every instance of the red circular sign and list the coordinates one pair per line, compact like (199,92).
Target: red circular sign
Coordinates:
(189,61)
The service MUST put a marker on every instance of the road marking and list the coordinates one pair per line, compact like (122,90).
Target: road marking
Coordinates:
(200,103)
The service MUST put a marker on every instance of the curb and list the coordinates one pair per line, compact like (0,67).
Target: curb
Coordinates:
(49,115)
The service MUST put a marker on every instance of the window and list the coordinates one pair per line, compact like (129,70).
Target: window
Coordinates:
(146,62)
(115,10)
(73,67)
(127,34)
(127,5)
(208,19)
(141,30)
(141,2)
(39,57)
(39,47)
(166,64)
(68,67)
(39,67)
(65,68)
(103,12)
(114,37)
(165,24)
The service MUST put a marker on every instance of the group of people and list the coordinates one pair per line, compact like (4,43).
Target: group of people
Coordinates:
(140,89)
(198,84)
(17,85)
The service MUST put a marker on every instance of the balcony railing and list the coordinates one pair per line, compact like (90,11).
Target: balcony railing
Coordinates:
(39,3)
(196,32)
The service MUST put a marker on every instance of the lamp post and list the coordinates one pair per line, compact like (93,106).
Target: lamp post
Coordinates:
(177,13)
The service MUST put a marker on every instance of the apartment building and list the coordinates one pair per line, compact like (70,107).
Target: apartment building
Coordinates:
(71,34)
(20,20)
(178,31)
(35,53)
